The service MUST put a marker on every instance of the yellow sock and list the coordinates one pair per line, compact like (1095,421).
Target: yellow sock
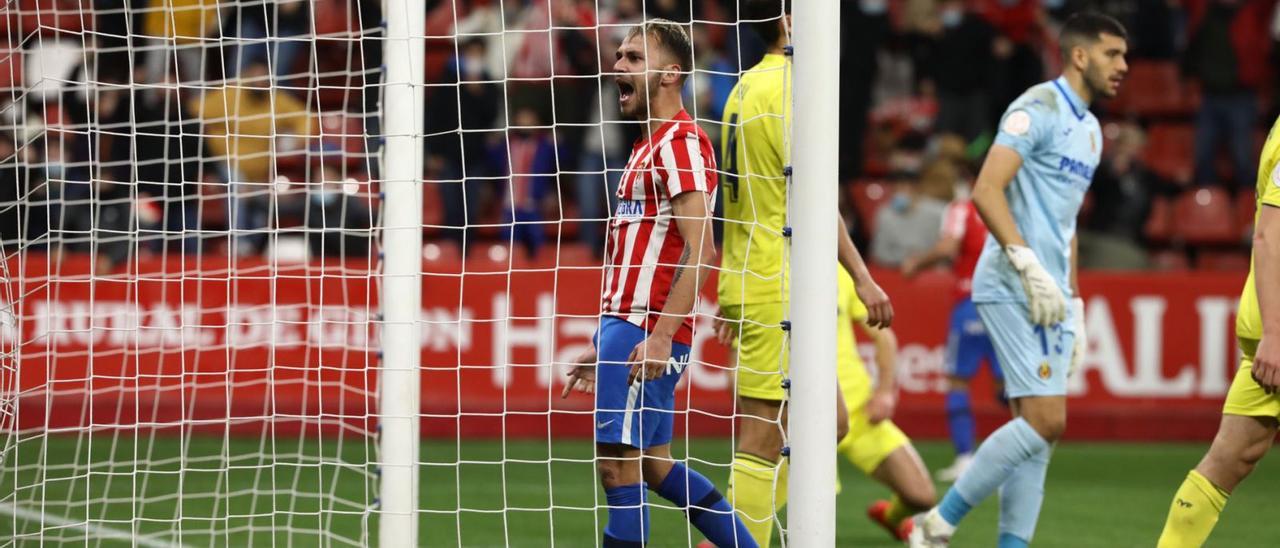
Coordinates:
(898,511)
(1193,513)
(751,492)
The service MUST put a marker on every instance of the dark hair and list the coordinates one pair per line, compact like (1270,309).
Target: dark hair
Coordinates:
(1087,28)
(671,36)
(764,16)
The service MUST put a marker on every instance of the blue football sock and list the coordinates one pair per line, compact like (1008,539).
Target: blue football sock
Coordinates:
(1008,540)
(1020,499)
(996,459)
(705,506)
(628,525)
(960,421)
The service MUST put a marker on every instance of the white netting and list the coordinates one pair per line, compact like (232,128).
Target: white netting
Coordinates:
(190,210)
(525,148)
(188,191)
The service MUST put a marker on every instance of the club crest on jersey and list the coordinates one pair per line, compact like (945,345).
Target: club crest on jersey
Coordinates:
(629,209)
(1045,371)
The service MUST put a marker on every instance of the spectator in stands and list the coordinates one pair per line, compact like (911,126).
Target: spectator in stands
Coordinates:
(956,65)
(1122,190)
(864,29)
(180,24)
(531,155)
(14,194)
(166,155)
(1017,47)
(1227,55)
(474,106)
(270,32)
(245,126)
(909,224)
(101,222)
(336,218)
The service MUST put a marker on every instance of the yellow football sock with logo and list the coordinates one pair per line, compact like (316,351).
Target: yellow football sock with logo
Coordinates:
(751,492)
(1193,514)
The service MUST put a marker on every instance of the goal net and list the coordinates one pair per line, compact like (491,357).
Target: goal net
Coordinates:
(189,211)
(217,217)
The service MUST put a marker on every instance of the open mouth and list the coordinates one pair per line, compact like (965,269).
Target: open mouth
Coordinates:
(625,91)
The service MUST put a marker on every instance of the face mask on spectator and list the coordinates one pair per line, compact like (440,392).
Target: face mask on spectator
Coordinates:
(1054,4)
(54,170)
(874,7)
(900,202)
(951,17)
(472,67)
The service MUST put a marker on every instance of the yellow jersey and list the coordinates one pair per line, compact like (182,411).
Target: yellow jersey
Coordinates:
(754,150)
(855,382)
(1249,317)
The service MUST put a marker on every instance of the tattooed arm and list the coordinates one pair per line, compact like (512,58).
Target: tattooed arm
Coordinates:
(692,212)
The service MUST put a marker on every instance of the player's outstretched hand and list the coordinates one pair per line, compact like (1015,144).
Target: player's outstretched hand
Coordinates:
(583,375)
(1266,365)
(724,331)
(879,309)
(1047,304)
(881,406)
(649,358)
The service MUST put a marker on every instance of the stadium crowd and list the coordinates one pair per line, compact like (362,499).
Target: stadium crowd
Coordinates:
(132,128)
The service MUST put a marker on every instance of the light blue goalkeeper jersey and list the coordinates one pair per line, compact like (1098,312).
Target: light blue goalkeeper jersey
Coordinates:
(1060,143)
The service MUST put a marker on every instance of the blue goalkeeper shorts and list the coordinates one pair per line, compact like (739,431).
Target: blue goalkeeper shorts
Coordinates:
(639,414)
(1034,359)
(968,344)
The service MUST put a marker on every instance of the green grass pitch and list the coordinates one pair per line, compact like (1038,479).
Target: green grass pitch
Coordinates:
(1112,495)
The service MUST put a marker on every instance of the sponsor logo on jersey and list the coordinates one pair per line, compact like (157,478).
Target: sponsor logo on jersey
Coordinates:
(630,208)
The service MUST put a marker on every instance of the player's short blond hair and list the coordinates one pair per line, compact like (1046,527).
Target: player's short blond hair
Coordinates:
(671,37)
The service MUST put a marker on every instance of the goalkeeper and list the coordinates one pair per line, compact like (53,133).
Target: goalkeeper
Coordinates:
(753,287)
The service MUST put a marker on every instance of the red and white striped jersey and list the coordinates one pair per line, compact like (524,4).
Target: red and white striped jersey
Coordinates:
(645,243)
(963,223)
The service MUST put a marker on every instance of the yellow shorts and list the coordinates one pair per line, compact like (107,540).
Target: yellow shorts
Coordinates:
(1245,397)
(761,349)
(867,445)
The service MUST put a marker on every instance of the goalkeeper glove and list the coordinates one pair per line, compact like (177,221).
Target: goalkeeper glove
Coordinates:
(1045,300)
(1081,341)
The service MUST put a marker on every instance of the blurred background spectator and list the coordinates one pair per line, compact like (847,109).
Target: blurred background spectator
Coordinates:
(186,119)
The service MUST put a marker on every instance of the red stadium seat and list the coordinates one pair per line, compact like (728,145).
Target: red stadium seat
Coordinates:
(1170,260)
(1170,152)
(1155,88)
(1204,216)
(867,197)
(1246,203)
(49,17)
(1229,261)
(1159,225)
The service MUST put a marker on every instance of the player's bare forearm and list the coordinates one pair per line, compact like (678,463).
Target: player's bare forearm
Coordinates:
(988,194)
(886,343)
(945,249)
(879,309)
(1266,269)
(692,212)
(848,254)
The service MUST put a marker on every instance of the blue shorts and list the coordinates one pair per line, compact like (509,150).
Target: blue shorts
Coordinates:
(1035,359)
(639,414)
(968,344)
